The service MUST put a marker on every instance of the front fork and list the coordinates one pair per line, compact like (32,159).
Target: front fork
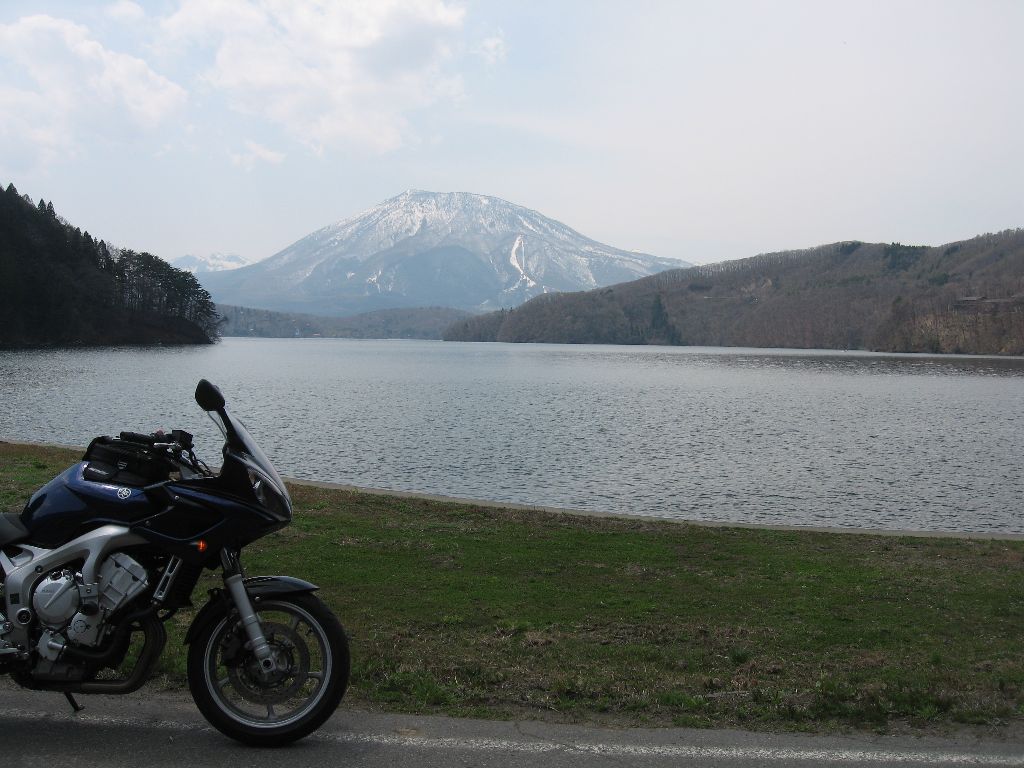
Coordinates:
(233,581)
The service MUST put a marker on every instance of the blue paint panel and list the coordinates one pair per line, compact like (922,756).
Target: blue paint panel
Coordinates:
(70,505)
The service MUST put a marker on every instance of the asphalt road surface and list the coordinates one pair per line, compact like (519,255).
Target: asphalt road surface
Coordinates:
(147,729)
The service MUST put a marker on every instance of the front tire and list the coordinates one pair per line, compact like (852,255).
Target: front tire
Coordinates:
(241,701)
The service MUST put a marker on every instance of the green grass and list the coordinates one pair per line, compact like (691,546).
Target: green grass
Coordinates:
(499,613)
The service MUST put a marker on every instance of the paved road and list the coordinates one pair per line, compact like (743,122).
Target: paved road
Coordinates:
(165,730)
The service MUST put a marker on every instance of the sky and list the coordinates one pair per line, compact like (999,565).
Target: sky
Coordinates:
(702,131)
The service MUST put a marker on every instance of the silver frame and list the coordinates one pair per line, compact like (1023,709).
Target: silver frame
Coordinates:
(21,580)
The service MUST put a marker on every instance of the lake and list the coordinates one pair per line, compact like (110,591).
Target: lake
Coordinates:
(781,437)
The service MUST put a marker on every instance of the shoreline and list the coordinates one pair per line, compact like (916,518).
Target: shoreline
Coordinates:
(492,504)
(695,348)
(895,532)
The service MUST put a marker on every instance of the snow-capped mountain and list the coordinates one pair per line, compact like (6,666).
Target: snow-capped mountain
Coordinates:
(431,249)
(215,262)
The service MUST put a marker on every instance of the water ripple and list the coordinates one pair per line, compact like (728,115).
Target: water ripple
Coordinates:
(754,436)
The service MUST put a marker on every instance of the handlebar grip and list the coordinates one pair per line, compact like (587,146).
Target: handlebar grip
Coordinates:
(137,437)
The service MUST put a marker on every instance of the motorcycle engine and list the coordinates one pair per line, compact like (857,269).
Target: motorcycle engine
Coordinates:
(66,607)
(57,599)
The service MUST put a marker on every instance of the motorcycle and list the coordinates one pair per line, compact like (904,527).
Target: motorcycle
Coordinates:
(109,550)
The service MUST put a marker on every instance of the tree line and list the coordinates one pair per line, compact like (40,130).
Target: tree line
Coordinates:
(61,286)
(411,323)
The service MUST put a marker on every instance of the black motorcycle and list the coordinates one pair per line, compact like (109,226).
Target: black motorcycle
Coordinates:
(106,552)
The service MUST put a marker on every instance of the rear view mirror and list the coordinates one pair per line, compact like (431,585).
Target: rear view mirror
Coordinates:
(209,397)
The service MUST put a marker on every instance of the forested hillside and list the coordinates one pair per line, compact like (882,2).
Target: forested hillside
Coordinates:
(965,297)
(419,323)
(60,286)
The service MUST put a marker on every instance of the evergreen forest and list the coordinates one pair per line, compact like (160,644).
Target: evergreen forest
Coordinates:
(59,286)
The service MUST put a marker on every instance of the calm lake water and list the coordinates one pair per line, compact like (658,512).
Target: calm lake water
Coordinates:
(755,436)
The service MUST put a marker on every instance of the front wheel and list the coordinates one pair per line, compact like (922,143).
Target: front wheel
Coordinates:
(267,709)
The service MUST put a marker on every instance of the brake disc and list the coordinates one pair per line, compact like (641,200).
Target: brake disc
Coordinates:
(291,654)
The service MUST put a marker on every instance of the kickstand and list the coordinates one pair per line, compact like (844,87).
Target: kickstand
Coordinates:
(74,704)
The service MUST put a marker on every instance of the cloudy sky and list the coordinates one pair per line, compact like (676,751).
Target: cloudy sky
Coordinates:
(695,130)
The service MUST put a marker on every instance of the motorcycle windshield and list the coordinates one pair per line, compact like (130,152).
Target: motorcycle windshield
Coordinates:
(237,438)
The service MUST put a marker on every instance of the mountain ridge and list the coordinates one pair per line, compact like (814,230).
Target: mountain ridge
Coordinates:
(962,297)
(214,262)
(419,248)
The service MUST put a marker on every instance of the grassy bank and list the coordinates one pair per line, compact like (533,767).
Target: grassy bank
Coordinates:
(498,613)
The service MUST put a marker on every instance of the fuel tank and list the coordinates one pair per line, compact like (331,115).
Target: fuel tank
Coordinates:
(69,505)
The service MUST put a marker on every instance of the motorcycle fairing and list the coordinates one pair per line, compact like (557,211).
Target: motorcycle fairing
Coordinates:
(196,510)
(69,505)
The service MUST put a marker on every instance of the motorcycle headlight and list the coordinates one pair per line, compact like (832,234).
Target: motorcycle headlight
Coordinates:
(267,494)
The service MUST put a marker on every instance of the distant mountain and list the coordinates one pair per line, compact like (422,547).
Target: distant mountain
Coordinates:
(414,323)
(421,249)
(964,297)
(215,262)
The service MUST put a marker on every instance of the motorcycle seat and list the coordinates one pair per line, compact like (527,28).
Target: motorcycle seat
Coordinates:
(11,529)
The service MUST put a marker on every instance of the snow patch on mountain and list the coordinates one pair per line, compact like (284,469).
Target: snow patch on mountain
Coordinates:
(515,259)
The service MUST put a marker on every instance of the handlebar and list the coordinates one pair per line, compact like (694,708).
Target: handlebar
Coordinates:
(176,446)
(178,438)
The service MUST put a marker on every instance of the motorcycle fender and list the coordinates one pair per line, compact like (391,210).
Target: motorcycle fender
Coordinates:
(257,587)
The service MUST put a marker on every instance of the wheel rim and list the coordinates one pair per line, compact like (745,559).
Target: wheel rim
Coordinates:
(303,655)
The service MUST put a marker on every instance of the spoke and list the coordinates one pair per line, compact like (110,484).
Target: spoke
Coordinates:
(271,715)
(222,683)
(315,675)
(295,622)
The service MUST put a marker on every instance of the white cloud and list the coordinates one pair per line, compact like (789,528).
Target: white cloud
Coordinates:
(69,79)
(255,153)
(27,134)
(330,72)
(125,10)
(492,49)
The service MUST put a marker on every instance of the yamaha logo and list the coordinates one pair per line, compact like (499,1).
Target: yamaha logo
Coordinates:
(123,493)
